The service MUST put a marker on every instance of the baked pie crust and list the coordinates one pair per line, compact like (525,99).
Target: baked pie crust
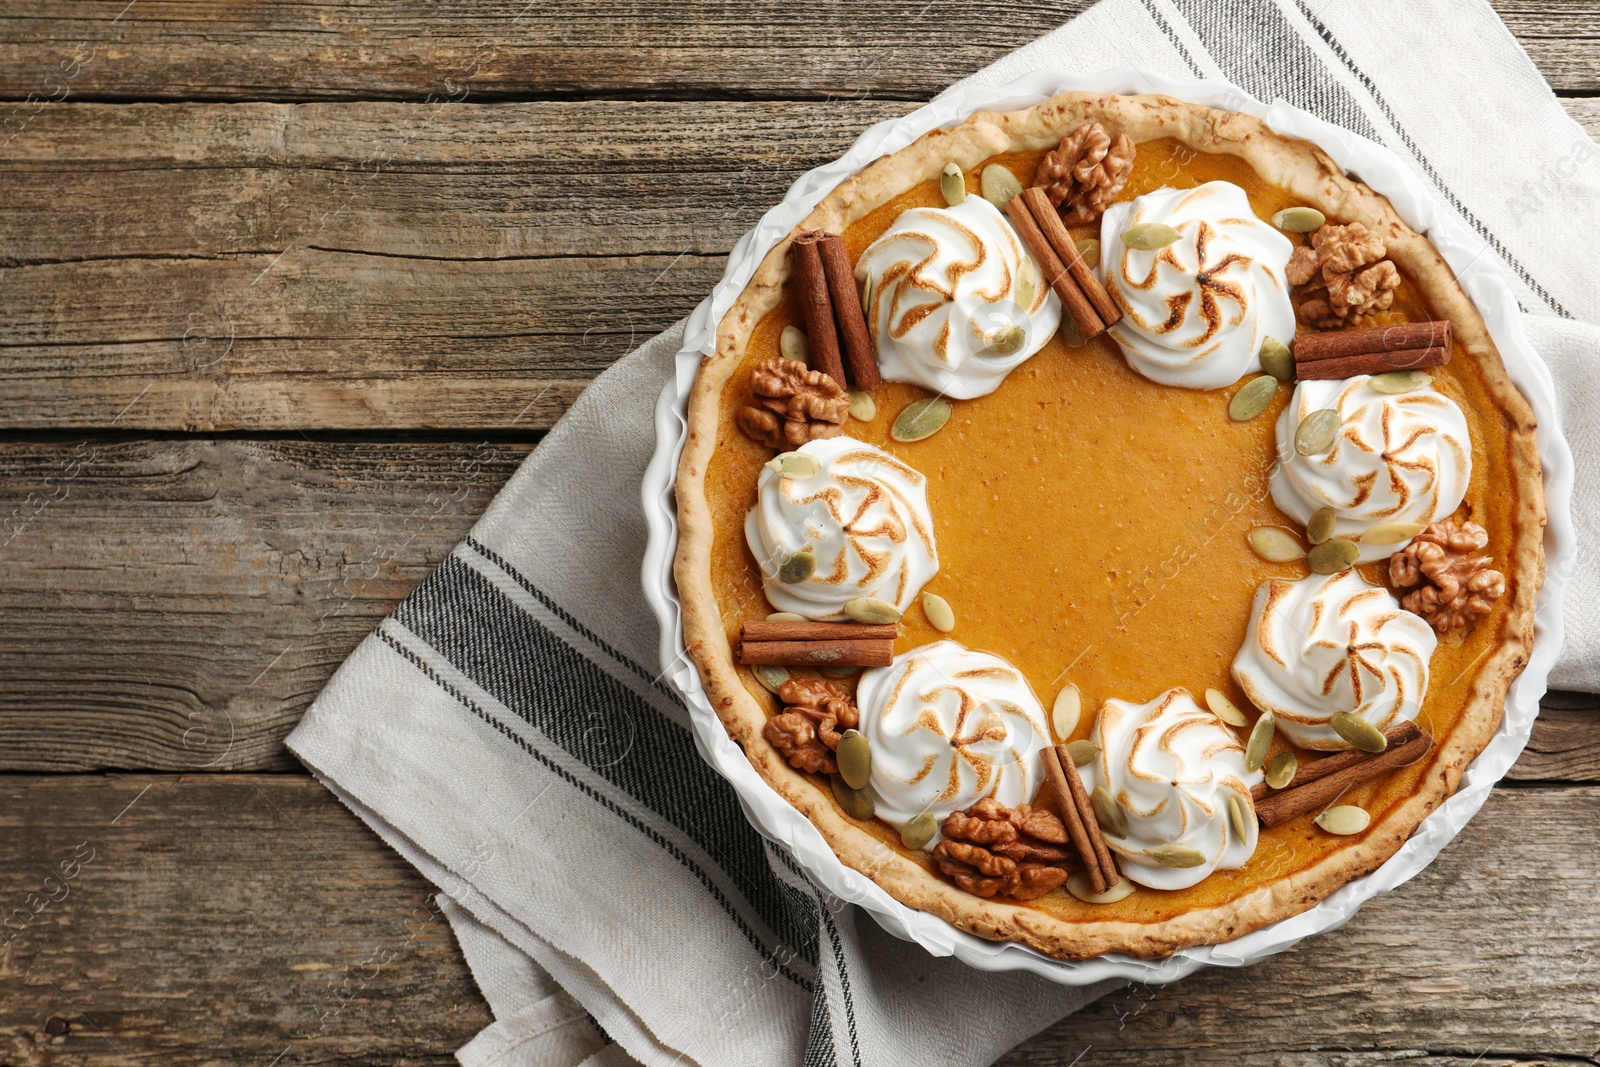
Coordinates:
(1188,143)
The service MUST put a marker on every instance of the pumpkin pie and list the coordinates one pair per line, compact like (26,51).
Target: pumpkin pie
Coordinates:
(1109,524)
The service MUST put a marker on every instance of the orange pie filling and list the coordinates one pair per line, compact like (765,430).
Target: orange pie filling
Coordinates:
(1092,531)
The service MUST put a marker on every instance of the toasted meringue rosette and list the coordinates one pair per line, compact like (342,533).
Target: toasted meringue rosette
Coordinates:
(1328,644)
(864,520)
(945,285)
(950,726)
(1397,458)
(1196,311)
(1174,769)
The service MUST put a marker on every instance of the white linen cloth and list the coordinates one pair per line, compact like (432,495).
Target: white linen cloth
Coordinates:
(505,729)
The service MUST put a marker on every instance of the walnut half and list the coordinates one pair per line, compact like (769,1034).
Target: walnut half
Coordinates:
(992,850)
(1454,587)
(1345,273)
(1085,172)
(791,404)
(806,732)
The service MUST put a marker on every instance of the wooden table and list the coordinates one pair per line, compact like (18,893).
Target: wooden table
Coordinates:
(286,292)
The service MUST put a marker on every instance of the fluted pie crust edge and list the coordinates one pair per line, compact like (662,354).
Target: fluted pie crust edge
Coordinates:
(1312,178)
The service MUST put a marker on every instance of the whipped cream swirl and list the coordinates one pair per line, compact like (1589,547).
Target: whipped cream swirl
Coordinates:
(863,517)
(1172,766)
(1196,312)
(945,284)
(1327,644)
(1398,458)
(949,726)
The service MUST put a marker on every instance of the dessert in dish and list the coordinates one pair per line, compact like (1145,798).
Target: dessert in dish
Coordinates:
(1109,524)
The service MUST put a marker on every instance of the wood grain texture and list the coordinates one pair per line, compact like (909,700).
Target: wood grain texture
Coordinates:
(372,265)
(376,265)
(210,892)
(217,920)
(202,49)
(177,604)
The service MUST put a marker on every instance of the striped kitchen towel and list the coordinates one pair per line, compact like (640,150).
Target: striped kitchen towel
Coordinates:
(507,729)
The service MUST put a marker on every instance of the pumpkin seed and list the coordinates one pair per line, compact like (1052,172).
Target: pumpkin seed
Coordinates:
(869,289)
(1066,712)
(1089,249)
(1253,398)
(1333,555)
(953,184)
(1080,886)
(1320,526)
(1358,732)
(1299,219)
(1070,333)
(798,567)
(1083,753)
(795,465)
(1276,359)
(1280,769)
(862,407)
(939,613)
(998,184)
(916,833)
(1239,816)
(1224,709)
(1275,544)
(1390,533)
(786,616)
(1176,855)
(920,419)
(871,609)
(1108,813)
(855,759)
(1149,236)
(836,671)
(793,344)
(1317,432)
(1344,820)
(1255,750)
(1027,286)
(770,677)
(1009,341)
(857,803)
(1399,381)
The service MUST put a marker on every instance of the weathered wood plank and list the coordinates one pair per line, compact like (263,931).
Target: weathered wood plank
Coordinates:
(448,181)
(454,182)
(212,885)
(1586,110)
(272,267)
(177,604)
(174,605)
(228,920)
(321,339)
(176,49)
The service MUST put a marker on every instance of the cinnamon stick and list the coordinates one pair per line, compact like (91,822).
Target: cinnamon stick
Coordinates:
(1293,803)
(1371,363)
(1074,816)
(1108,867)
(847,313)
(1054,271)
(1055,231)
(863,653)
(821,333)
(1398,734)
(765,630)
(1334,344)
